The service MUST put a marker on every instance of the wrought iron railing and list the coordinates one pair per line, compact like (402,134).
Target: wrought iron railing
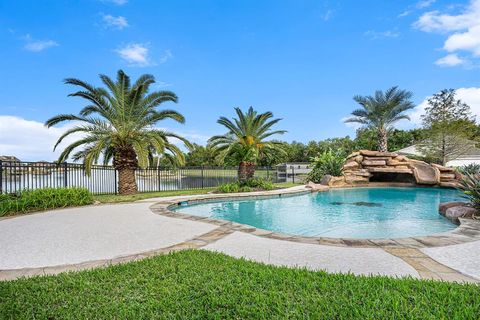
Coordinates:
(16,176)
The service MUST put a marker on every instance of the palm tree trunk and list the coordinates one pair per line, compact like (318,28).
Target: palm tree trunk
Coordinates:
(246,170)
(382,140)
(126,181)
(125,161)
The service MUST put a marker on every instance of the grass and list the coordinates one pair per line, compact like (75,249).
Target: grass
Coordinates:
(43,199)
(203,285)
(111,198)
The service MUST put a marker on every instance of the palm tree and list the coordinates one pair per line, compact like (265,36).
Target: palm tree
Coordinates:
(118,124)
(381,111)
(245,143)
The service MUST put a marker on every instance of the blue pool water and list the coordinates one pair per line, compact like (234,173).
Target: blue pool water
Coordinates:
(347,213)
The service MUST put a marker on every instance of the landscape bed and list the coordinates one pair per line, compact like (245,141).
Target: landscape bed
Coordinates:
(197,284)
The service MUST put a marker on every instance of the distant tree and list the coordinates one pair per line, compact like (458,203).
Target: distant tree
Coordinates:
(296,152)
(382,111)
(449,127)
(398,139)
(340,146)
(118,123)
(246,140)
(202,156)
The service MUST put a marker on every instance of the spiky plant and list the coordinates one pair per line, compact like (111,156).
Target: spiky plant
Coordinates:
(245,142)
(470,185)
(382,111)
(118,123)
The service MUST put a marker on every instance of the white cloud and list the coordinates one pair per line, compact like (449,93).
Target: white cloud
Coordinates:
(424,4)
(135,54)
(31,140)
(463,29)
(38,45)
(450,60)
(417,6)
(466,41)
(381,34)
(470,96)
(114,22)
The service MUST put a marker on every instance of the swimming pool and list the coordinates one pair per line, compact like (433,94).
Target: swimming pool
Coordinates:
(341,213)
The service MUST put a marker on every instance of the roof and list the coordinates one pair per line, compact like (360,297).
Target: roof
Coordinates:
(9,158)
(414,150)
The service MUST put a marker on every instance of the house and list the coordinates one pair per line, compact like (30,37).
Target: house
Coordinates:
(293,171)
(472,156)
(9,159)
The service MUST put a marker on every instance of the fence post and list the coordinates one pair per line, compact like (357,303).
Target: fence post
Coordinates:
(159,180)
(1,177)
(115,185)
(293,174)
(202,178)
(65,174)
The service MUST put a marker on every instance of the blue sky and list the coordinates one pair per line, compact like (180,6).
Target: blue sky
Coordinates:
(303,60)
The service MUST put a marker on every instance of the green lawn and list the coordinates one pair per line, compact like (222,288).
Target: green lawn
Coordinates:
(111,198)
(203,285)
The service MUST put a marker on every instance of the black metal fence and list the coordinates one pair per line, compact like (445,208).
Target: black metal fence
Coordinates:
(16,176)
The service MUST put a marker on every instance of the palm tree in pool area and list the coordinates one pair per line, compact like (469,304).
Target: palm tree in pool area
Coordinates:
(245,142)
(118,124)
(382,111)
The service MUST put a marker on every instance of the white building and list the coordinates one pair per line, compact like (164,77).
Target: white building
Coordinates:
(293,171)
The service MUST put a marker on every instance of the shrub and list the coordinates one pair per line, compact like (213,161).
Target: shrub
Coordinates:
(42,199)
(246,186)
(328,162)
(472,168)
(470,186)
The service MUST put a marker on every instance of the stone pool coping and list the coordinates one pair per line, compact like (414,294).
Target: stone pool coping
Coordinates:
(467,231)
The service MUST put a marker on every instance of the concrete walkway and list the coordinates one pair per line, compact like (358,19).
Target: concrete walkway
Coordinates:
(313,256)
(82,238)
(77,235)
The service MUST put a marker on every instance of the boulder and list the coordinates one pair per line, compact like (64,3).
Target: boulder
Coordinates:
(351,165)
(443,169)
(425,173)
(355,179)
(358,158)
(326,179)
(447,176)
(447,205)
(390,170)
(454,213)
(374,162)
(337,182)
(371,153)
(353,154)
(401,158)
(449,184)
(378,158)
(317,187)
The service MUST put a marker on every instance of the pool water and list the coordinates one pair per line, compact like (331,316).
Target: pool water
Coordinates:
(343,213)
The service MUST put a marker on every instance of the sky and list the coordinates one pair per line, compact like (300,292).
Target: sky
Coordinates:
(303,60)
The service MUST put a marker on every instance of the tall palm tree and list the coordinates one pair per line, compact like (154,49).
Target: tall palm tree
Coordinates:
(245,143)
(381,111)
(118,123)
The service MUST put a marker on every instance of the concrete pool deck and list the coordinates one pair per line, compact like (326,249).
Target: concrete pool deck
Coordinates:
(82,238)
